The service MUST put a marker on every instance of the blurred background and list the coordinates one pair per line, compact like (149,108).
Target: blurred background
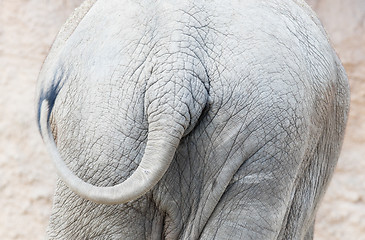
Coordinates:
(27,177)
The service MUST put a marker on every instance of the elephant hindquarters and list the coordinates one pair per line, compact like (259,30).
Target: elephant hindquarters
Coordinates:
(319,163)
(276,191)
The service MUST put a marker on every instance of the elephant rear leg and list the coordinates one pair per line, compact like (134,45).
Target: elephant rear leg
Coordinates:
(274,196)
(256,202)
(311,186)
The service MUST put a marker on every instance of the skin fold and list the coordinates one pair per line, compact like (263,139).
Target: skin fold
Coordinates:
(191,119)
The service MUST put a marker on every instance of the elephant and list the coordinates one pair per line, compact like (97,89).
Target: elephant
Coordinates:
(191,119)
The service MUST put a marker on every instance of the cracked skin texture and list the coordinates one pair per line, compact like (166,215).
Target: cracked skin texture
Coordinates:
(254,89)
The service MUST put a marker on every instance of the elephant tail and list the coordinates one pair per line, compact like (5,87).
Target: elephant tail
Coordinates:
(171,113)
(156,159)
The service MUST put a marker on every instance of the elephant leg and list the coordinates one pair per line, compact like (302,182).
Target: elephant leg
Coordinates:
(311,185)
(276,202)
(264,205)
(76,218)
(310,233)
(255,203)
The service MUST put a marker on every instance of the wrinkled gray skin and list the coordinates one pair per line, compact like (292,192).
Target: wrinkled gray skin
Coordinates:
(236,108)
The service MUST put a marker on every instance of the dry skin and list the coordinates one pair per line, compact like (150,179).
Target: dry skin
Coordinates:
(27,177)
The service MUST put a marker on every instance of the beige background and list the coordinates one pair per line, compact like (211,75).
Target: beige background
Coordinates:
(27,177)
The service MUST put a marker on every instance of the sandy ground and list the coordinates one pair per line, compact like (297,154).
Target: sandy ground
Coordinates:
(27,177)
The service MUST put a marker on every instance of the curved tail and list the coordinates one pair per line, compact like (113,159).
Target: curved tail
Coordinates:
(157,157)
(168,123)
